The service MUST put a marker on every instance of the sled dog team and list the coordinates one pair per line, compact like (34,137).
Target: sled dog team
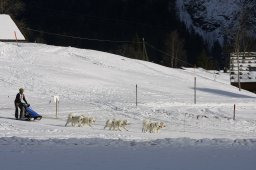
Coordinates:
(114,124)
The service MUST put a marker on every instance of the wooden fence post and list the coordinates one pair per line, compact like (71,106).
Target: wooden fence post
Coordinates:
(234,113)
(136,95)
(195,90)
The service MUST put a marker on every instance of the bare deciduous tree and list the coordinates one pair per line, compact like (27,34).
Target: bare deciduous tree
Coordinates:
(242,31)
(175,48)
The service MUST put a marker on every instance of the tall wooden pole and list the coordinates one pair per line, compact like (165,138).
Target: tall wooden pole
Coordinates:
(145,54)
(239,83)
(56,109)
(234,114)
(195,90)
(136,95)
(238,57)
(15,35)
(195,84)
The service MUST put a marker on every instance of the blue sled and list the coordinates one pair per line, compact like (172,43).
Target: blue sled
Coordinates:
(31,114)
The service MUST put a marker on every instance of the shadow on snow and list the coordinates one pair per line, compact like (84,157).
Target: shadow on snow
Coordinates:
(223,93)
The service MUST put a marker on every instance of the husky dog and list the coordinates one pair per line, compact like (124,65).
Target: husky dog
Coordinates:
(116,124)
(160,126)
(74,120)
(156,126)
(87,121)
(110,124)
(146,126)
(152,127)
(121,124)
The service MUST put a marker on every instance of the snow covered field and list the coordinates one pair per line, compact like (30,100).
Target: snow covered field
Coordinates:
(103,85)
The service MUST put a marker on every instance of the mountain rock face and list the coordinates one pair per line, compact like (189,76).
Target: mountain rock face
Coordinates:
(218,20)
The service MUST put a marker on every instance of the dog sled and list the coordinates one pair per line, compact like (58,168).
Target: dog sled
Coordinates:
(30,114)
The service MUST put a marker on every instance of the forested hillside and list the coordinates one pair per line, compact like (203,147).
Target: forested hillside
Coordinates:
(118,26)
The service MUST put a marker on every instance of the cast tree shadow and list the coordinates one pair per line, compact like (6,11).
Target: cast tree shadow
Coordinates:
(223,93)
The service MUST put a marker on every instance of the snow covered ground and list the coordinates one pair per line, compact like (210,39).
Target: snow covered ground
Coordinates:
(103,85)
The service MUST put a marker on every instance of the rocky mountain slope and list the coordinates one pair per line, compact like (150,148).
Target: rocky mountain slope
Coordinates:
(216,19)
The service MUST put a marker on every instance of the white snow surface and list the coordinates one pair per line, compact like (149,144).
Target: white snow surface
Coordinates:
(8,29)
(103,85)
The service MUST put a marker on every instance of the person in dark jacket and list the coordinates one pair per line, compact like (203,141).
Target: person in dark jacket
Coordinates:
(19,101)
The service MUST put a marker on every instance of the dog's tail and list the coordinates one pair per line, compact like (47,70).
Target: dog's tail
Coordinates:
(69,118)
(70,115)
(107,122)
(145,121)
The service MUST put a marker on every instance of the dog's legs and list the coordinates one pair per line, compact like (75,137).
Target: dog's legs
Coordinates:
(157,130)
(79,124)
(113,126)
(125,129)
(110,126)
(150,130)
(106,125)
(67,123)
(144,130)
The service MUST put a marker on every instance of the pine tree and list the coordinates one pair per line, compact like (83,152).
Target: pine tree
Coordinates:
(203,60)
(12,7)
(216,53)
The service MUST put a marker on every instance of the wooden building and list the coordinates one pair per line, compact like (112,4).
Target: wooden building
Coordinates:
(243,69)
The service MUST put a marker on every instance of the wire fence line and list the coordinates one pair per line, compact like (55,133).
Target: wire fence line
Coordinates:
(77,37)
(167,54)
(115,41)
(106,41)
